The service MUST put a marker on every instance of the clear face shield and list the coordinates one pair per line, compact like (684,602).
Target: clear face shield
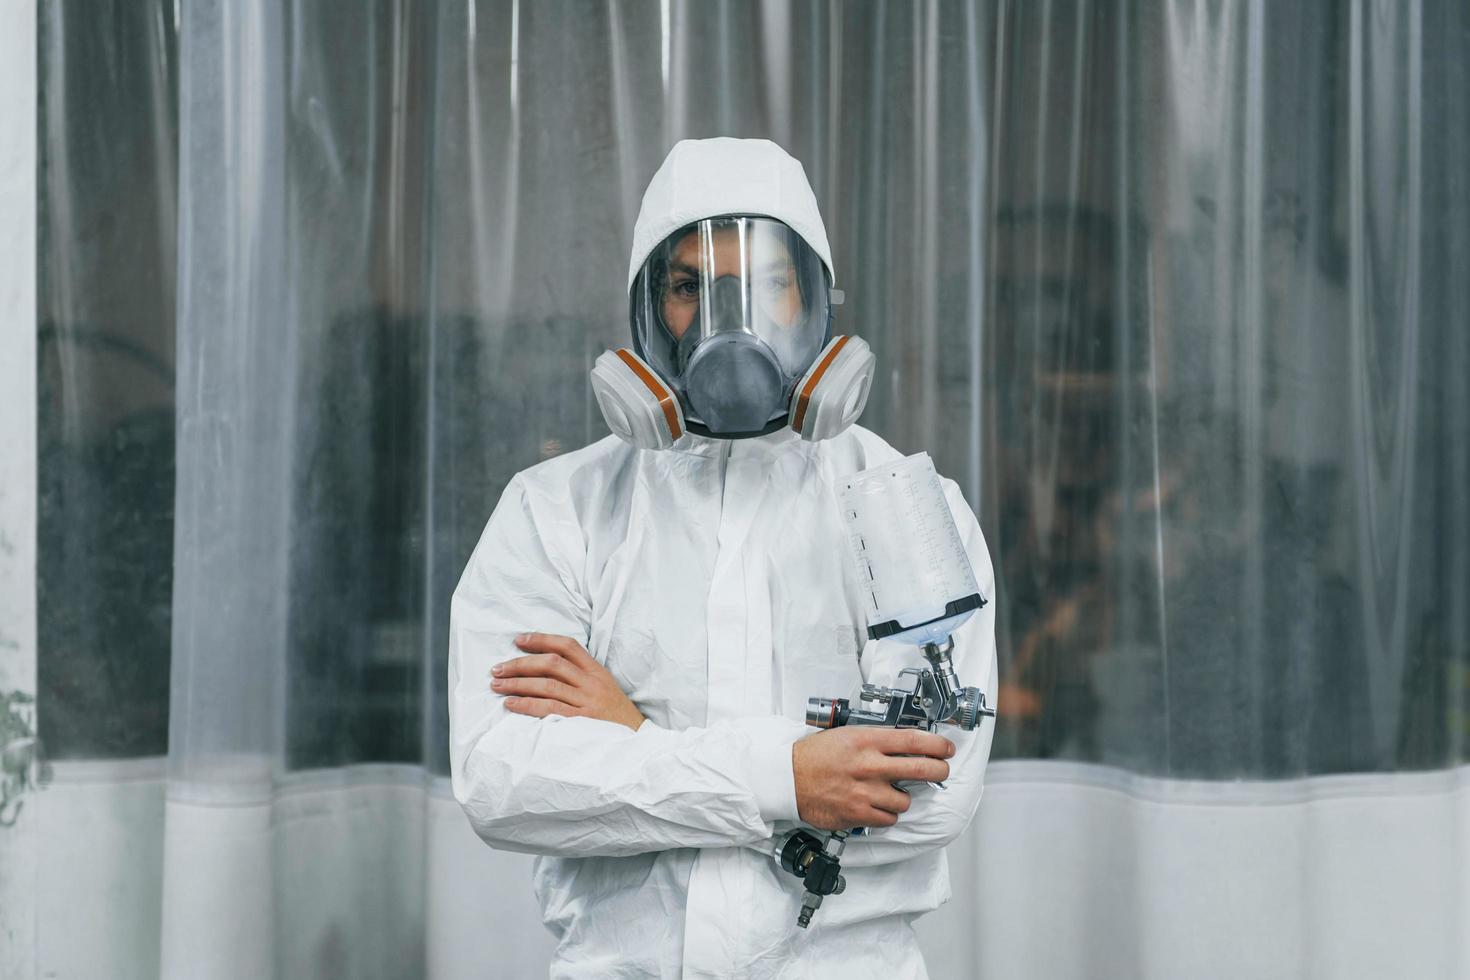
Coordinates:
(732,311)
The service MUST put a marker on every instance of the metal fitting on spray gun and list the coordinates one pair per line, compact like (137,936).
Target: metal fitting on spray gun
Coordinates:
(816,863)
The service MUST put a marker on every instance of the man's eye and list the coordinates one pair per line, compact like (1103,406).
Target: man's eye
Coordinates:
(686,289)
(776,284)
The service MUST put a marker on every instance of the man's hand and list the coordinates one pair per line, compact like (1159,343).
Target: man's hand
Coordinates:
(845,776)
(561,678)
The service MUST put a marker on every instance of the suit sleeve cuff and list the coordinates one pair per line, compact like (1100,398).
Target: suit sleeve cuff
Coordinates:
(772,780)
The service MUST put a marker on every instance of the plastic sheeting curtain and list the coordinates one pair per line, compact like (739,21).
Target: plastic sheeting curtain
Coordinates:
(1177,294)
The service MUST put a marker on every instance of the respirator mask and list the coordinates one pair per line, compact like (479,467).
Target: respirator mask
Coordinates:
(732,339)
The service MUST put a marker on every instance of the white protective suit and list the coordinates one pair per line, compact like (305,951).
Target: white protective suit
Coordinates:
(713,581)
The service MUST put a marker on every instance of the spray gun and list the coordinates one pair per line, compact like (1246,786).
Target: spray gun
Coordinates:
(920,589)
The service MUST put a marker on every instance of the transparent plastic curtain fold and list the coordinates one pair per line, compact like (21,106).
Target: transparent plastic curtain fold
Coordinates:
(107,178)
(298,633)
(1227,435)
(1172,293)
(1169,291)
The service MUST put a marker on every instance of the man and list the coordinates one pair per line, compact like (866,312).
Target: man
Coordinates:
(634,640)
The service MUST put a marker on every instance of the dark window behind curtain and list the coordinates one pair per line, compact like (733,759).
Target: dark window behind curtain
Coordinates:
(107,149)
(1175,292)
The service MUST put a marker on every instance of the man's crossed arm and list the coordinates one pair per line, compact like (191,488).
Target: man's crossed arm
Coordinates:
(844,777)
